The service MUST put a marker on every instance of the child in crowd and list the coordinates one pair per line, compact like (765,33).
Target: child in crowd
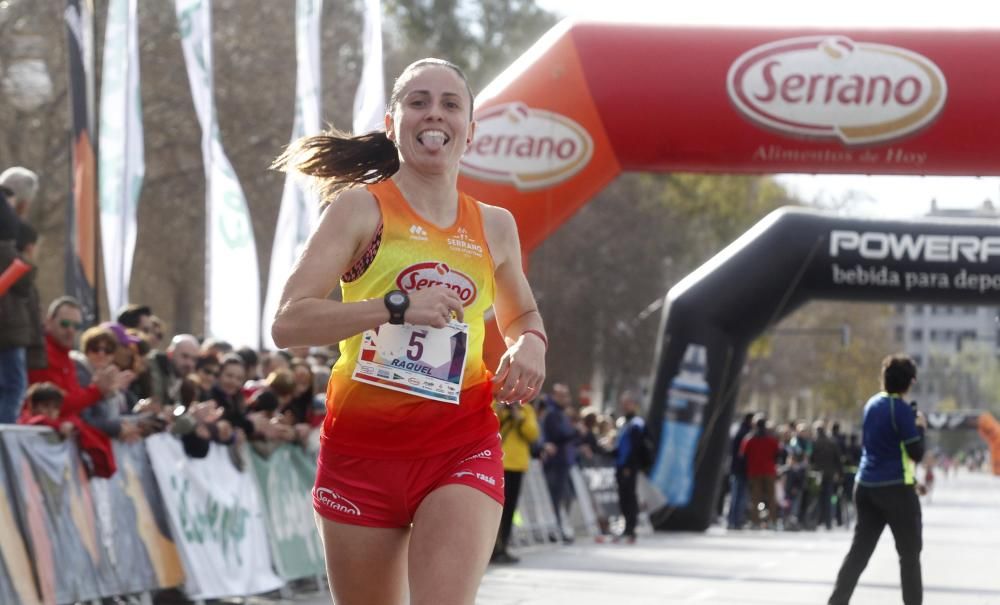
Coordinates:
(45,400)
(45,409)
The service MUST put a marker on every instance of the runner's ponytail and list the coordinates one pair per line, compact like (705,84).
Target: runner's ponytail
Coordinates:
(338,160)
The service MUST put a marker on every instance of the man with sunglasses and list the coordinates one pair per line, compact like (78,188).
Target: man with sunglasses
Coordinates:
(63,323)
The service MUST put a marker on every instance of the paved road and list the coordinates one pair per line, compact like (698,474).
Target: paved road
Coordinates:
(961,564)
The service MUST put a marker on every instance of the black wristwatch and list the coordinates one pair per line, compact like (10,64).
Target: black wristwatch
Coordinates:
(397,302)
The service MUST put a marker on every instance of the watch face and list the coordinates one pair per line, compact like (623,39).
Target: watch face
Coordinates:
(396,298)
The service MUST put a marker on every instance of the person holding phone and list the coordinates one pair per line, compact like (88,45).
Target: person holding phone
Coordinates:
(885,486)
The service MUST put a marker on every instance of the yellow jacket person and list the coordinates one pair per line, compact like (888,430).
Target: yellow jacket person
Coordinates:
(518,430)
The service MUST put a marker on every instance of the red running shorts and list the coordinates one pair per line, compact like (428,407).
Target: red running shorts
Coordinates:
(387,493)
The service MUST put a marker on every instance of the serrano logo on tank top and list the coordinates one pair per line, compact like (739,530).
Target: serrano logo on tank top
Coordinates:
(465,244)
(432,273)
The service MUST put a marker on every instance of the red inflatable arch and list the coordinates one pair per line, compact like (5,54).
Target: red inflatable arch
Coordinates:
(591,100)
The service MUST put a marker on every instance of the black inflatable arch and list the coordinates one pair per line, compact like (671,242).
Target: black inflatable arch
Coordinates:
(790,257)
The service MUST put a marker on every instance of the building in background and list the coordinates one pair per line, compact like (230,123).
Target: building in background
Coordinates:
(955,347)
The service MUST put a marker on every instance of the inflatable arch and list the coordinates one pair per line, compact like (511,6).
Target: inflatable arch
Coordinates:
(792,256)
(590,101)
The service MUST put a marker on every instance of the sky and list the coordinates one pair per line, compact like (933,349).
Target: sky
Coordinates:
(877,196)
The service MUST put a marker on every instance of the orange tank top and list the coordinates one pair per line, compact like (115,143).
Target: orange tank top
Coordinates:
(374,422)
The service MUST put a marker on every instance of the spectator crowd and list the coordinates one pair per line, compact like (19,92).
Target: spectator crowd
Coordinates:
(112,381)
(115,380)
(566,435)
(800,476)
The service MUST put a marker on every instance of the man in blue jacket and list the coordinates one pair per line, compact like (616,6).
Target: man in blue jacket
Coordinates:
(630,457)
(885,492)
(559,456)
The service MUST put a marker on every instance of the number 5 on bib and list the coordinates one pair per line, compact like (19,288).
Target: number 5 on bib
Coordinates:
(420,360)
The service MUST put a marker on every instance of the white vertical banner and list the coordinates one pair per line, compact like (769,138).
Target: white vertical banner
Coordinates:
(369,101)
(121,164)
(299,208)
(232,280)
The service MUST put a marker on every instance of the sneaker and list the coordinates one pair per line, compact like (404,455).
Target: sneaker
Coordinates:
(504,558)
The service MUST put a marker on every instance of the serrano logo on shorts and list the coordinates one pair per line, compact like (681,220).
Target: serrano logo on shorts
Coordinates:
(432,273)
(482,454)
(526,147)
(831,87)
(334,501)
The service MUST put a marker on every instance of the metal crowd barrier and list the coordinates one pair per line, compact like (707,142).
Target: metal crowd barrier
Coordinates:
(217,526)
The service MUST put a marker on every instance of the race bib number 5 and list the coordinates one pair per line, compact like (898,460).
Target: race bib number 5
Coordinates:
(420,360)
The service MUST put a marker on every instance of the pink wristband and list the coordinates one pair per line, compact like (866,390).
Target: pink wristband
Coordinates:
(539,334)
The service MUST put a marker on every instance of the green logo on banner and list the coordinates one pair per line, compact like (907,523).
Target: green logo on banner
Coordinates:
(185,18)
(234,225)
(286,478)
(209,521)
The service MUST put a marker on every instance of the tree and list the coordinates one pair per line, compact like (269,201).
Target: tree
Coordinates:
(597,276)
(254,59)
(972,380)
(482,37)
(805,352)
(597,280)
(254,54)
(34,120)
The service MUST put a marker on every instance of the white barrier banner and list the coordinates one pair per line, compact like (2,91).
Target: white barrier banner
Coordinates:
(217,519)
(286,478)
